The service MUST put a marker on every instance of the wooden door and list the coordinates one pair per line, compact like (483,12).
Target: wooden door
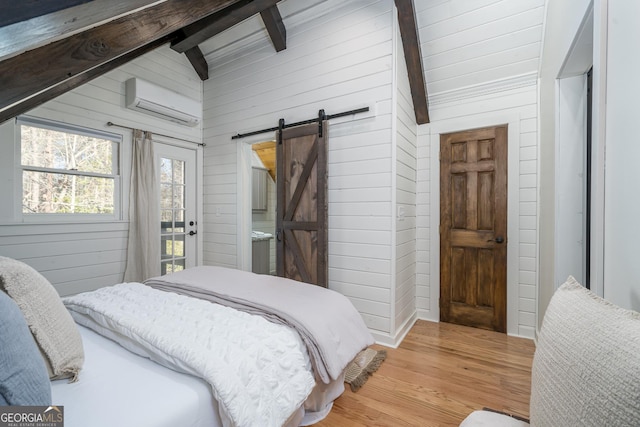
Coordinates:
(301,217)
(473,228)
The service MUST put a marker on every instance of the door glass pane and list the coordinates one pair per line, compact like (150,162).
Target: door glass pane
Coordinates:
(178,264)
(166,221)
(178,172)
(168,247)
(179,226)
(172,266)
(166,196)
(178,246)
(178,196)
(165,171)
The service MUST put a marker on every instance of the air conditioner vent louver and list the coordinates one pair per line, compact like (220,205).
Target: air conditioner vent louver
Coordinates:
(161,102)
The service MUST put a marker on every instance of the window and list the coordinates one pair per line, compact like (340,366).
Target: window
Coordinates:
(68,170)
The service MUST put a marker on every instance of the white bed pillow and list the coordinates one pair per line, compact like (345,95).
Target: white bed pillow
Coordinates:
(50,323)
(586,368)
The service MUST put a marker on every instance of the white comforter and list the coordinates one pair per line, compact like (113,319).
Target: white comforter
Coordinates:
(260,372)
(327,321)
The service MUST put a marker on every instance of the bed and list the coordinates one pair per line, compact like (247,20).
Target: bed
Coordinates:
(194,366)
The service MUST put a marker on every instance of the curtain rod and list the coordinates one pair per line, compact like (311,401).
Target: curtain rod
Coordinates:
(304,122)
(201,144)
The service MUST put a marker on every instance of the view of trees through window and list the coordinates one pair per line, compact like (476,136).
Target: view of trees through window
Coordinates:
(66,173)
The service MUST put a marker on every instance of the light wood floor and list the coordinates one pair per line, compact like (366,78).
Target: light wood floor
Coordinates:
(439,374)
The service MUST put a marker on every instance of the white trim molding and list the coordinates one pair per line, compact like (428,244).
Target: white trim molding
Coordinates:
(496,86)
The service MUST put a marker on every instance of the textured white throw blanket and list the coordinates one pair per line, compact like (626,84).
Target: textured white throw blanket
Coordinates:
(260,372)
(327,321)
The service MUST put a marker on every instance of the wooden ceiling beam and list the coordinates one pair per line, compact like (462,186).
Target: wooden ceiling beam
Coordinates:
(40,69)
(35,32)
(80,79)
(196,58)
(413,58)
(208,27)
(23,10)
(275,27)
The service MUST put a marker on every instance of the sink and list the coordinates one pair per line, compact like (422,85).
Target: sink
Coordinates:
(259,235)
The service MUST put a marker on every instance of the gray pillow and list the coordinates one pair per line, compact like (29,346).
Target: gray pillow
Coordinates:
(23,374)
(50,323)
(586,368)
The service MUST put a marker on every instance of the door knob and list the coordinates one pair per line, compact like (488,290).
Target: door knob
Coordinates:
(498,239)
(191,233)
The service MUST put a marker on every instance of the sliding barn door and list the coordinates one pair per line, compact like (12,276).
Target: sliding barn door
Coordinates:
(301,218)
(473,228)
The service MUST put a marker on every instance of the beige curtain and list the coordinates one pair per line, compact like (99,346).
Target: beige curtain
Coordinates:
(143,250)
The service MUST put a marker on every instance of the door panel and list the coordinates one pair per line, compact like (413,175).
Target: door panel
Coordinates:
(473,226)
(178,231)
(301,218)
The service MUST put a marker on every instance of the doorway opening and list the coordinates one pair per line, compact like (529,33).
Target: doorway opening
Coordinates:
(263,207)
(574,162)
(298,203)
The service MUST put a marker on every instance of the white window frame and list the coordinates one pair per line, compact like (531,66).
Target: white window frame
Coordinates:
(67,217)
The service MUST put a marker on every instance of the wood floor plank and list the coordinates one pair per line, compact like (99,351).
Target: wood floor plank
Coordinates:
(437,376)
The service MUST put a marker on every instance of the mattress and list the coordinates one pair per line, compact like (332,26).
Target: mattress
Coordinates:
(119,388)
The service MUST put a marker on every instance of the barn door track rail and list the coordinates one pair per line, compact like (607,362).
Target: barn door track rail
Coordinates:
(321,117)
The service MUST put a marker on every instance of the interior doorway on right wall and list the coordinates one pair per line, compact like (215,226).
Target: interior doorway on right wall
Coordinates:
(573,163)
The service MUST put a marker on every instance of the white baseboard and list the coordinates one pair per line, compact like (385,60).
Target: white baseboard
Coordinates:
(394,341)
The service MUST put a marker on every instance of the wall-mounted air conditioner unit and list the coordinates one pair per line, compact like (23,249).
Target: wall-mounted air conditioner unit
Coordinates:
(161,102)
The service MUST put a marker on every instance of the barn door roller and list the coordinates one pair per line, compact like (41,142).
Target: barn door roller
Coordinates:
(280,129)
(321,117)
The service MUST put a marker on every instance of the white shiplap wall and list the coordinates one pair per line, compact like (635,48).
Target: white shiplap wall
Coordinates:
(481,60)
(339,60)
(347,56)
(82,256)
(405,202)
(472,42)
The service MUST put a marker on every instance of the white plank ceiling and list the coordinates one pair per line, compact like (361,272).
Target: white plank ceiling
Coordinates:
(464,43)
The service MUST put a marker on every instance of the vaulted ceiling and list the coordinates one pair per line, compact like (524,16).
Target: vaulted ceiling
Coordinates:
(52,46)
(48,47)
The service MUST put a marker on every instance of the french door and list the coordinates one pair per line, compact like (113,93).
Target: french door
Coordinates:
(178,226)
